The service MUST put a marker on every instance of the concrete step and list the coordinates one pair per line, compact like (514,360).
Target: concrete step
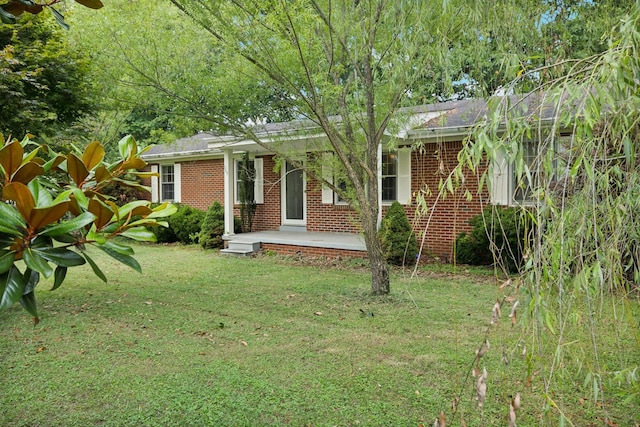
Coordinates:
(236,252)
(244,245)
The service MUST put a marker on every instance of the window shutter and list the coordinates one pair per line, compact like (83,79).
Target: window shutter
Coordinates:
(404,176)
(500,176)
(177,183)
(258,190)
(327,174)
(155,185)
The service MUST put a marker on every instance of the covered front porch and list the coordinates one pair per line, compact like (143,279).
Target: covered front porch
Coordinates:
(332,245)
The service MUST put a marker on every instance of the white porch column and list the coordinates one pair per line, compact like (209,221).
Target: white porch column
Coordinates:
(379,186)
(228,192)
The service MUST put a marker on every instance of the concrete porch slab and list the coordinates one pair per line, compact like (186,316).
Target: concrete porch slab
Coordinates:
(341,241)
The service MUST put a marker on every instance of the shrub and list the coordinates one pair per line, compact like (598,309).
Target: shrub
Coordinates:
(184,226)
(497,235)
(398,240)
(213,227)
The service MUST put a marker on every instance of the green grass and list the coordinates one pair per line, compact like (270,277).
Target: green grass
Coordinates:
(203,339)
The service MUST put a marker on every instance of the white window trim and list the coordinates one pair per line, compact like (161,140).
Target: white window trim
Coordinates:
(258,185)
(156,183)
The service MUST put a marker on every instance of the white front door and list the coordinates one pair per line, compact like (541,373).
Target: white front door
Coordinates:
(294,200)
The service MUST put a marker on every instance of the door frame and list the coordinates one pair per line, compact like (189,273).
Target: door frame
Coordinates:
(283,209)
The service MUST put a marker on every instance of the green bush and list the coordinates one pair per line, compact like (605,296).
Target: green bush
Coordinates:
(184,226)
(398,240)
(213,227)
(507,228)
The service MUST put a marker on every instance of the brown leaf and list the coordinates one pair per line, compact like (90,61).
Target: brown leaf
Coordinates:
(93,155)
(318,313)
(76,169)
(41,349)
(91,4)
(11,157)
(512,416)
(244,343)
(481,388)
(20,193)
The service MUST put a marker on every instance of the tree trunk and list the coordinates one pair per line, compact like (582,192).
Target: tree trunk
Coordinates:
(377,262)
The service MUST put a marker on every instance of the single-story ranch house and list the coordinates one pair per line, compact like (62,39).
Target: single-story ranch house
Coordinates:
(296,214)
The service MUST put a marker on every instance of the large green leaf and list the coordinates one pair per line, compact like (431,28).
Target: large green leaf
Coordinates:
(28,301)
(59,17)
(140,234)
(12,285)
(68,226)
(95,268)
(6,260)
(127,260)
(10,218)
(127,147)
(113,246)
(37,262)
(58,277)
(62,256)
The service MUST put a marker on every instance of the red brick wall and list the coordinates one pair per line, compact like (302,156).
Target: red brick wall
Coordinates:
(311,251)
(328,217)
(202,183)
(452,213)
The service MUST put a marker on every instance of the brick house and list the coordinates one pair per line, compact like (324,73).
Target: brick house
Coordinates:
(202,169)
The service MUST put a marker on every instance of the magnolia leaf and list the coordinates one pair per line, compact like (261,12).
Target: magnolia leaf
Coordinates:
(36,262)
(76,169)
(131,207)
(54,163)
(41,194)
(144,175)
(127,147)
(102,174)
(12,285)
(10,220)
(93,155)
(13,9)
(116,247)
(62,257)
(58,277)
(59,17)
(127,260)
(140,234)
(6,260)
(135,163)
(91,4)
(41,217)
(19,193)
(164,210)
(103,214)
(95,268)
(28,301)
(27,172)
(68,226)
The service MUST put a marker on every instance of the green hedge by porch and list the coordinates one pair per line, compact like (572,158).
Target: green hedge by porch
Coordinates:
(399,242)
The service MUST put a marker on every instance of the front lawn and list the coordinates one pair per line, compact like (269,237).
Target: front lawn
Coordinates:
(204,339)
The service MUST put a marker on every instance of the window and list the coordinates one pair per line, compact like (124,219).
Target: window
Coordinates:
(256,166)
(389,177)
(167,182)
(523,189)
(238,176)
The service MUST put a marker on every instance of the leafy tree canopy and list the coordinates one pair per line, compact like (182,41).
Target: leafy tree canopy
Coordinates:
(43,83)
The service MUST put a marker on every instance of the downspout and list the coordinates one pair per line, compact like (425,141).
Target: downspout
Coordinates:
(229,229)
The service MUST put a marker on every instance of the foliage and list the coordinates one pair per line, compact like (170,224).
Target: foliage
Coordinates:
(53,205)
(399,242)
(498,235)
(584,255)
(44,81)
(246,197)
(213,227)
(183,226)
